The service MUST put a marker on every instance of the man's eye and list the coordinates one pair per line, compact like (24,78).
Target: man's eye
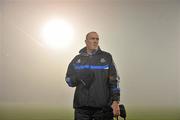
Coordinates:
(95,38)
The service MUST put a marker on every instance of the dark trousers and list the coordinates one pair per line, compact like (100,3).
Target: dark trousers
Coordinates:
(89,113)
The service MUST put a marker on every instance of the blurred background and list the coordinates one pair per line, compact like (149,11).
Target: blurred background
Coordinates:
(142,35)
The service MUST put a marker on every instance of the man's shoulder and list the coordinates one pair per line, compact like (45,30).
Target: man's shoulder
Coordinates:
(105,53)
(76,57)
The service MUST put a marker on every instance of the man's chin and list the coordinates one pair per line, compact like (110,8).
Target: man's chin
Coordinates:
(95,48)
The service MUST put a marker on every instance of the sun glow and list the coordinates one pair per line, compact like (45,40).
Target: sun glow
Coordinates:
(57,34)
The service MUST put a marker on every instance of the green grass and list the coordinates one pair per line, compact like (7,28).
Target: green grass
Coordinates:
(36,112)
(153,114)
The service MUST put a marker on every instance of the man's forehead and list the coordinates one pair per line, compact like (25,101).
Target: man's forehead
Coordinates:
(93,34)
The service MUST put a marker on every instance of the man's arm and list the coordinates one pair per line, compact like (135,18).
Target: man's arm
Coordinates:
(114,87)
(71,76)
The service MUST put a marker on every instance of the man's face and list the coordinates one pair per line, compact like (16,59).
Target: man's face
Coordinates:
(92,41)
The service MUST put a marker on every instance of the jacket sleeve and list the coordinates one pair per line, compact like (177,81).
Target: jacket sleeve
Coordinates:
(114,80)
(71,76)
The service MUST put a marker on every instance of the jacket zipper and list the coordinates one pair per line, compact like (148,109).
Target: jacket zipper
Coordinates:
(89,61)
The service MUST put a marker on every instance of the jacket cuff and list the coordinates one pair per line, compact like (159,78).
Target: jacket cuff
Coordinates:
(116,97)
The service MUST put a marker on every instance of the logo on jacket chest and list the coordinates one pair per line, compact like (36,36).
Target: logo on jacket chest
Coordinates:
(78,61)
(102,60)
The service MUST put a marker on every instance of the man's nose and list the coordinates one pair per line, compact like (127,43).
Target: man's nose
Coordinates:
(95,41)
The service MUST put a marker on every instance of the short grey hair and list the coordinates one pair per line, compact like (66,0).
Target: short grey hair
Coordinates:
(90,33)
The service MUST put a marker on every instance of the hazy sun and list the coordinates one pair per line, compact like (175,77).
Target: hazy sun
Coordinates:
(57,34)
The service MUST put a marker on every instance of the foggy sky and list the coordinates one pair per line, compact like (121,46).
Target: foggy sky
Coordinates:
(142,35)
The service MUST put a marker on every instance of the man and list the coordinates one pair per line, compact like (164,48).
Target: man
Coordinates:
(94,75)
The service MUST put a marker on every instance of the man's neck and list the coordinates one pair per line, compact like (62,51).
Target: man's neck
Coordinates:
(91,51)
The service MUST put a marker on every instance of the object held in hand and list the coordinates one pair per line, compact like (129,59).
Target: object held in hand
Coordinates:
(122,112)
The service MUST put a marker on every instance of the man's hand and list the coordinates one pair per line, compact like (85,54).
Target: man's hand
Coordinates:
(115,107)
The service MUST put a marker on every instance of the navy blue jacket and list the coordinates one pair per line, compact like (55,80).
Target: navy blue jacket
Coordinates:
(95,78)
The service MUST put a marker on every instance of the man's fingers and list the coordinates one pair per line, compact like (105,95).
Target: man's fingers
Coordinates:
(116,109)
(116,112)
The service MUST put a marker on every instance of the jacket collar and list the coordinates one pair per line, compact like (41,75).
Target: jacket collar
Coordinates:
(83,51)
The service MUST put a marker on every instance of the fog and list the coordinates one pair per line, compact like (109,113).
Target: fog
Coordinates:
(142,35)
